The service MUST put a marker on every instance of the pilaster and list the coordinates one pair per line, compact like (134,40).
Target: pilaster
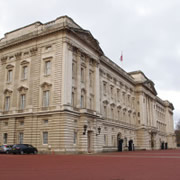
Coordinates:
(12,131)
(78,79)
(97,88)
(87,84)
(67,74)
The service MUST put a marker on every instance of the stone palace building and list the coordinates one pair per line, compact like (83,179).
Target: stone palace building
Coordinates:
(60,93)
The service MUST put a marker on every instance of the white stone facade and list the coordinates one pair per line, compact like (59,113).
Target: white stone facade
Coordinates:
(59,92)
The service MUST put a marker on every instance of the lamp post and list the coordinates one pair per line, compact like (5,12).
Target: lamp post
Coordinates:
(85,129)
(99,131)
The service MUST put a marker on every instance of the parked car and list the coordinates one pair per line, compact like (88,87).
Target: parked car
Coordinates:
(6,149)
(23,149)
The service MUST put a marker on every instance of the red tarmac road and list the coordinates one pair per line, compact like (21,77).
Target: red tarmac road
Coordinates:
(140,165)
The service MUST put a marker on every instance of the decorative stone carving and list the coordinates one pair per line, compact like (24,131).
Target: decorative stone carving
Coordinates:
(33,51)
(18,55)
(8,91)
(4,59)
(70,47)
(96,64)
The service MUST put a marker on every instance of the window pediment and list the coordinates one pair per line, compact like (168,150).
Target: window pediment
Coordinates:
(24,62)
(119,106)
(22,89)
(46,85)
(112,104)
(8,91)
(106,102)
(47,58)
(9,66)
(150,85)
(83,90)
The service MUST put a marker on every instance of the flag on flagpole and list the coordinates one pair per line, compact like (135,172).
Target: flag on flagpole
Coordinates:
(121,58)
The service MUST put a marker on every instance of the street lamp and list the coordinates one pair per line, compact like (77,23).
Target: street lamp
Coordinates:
(99,131)
(85,129)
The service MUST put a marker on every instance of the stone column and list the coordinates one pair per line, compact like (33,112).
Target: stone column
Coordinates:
(67,74)
(12,131)
(142,109)
(78,95)
(97,88)
(87,83)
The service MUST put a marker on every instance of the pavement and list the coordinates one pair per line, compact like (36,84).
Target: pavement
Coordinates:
(137,165)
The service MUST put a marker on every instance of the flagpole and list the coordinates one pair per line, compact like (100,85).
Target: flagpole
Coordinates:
(121,58)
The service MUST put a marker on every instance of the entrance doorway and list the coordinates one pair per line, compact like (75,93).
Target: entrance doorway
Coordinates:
(119,142)
(89,134)
(130,147)
(166,145)
(162,145)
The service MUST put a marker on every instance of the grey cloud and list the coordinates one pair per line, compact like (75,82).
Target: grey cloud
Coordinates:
(146,31)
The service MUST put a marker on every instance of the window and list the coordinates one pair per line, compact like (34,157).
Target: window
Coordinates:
(105,140)
(24,72)
(105,111)
(128,100)
(125,142)
(45,98)
(129,118)
(82,101)
(47,70)
(75,137)
(72,100)
(111,92)
(90,103)
(90,79)
(123,97)
(124,116)
(9,75)
(22,101)
(138,114)
(118,114)
(112,113)
(7,103)
(21,137)
(5,136)
(21,123)
(113,141)
(5,123)
(82,74)
(118,94)
(73,70)
(104,88)
(45,137)
(45,121)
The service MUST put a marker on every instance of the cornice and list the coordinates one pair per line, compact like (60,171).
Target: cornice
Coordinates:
(117,69)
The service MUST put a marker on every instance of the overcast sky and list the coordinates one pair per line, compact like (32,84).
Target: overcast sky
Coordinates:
(147,31)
